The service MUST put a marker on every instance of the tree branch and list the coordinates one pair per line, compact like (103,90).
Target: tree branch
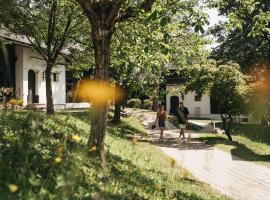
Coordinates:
(132,11)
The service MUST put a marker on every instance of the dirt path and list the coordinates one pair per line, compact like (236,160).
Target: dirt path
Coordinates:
(241,180)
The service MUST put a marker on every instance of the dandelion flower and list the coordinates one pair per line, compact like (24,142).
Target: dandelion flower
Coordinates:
(158,187)
(134,140)
(12,188)
(59,151)
(76,138)
(173,162)
(93,148)
(57,159)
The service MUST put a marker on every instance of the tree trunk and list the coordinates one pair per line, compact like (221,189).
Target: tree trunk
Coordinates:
(101,40)
(226,126)
(49,97)
(117,112)
(155,104)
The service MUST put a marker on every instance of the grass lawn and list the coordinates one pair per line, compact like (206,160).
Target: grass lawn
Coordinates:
(251,143)
(46,158)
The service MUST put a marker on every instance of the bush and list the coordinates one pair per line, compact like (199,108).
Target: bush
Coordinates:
(134,103)
(15,103)
(148,104)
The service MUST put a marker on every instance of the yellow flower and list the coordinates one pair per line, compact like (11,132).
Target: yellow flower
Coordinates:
(59,151)
(57,159)
(158,187)
(12,188)
(173,162)
(76,138)
(93,148)
(134,140)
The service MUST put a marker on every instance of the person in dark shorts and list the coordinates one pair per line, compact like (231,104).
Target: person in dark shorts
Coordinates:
(182,115)
(161,118)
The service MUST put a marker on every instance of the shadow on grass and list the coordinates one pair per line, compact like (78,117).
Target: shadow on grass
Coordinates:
(137,183)
(239,150)
(254,132)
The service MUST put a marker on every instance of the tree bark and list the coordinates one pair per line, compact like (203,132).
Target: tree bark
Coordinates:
(226,126)
(101,39)
(49,97)
(117,112)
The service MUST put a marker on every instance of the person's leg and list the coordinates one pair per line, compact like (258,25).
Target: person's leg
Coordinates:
(161,133)
(183,132)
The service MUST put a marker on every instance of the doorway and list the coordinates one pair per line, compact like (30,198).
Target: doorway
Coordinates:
(174,104)
(32,97)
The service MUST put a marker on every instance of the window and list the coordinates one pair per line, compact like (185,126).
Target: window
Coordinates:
(197,98)
(55,77)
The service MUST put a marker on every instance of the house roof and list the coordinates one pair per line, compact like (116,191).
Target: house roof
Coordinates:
(22,39)
(6,34)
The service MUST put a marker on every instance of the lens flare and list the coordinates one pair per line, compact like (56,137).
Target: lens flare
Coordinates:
(97,92)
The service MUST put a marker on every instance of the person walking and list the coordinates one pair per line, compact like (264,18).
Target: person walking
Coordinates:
(161,118)
(182,115)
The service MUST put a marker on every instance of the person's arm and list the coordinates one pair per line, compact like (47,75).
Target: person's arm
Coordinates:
(187,116)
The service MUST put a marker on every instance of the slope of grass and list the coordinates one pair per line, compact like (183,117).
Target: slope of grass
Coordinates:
(251,142)
(46,158)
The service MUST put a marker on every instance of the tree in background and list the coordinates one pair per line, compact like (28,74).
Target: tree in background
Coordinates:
(245,37)
(105,17)
(51,26)
(227,86)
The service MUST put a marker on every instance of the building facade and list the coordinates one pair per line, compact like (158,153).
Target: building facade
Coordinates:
(22,68)
(199,107)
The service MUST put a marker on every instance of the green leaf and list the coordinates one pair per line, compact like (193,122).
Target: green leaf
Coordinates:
(146,49)
(164,21)
(153,16)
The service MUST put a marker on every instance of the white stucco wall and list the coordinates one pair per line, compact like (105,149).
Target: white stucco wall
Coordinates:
(30,60)
(189,101)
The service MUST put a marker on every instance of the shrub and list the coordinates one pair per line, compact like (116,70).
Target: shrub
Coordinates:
(134,103)
(16,103)
(147,104)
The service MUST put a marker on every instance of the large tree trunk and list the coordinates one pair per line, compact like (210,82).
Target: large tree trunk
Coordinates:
(49,97)
(101,40)
(117,112)
(227,126)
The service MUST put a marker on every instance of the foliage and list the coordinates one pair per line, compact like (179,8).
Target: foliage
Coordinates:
(48,160)
(245,36)
(8,92)
(134,103)
(105,18)
(148,104)
(260,107)
(226,84)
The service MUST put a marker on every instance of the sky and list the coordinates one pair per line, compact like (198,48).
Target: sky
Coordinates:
(214,18)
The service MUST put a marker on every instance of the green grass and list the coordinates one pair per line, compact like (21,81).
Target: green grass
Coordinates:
(251,143)
(29,144)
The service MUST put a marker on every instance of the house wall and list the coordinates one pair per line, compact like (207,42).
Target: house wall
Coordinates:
(27,60)
(189,102)
(19,72)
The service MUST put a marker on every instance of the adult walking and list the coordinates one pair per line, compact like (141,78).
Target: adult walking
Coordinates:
(182,115)
(161,118)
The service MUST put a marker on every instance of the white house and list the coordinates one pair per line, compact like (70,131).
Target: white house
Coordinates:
(24,71)
(198,107)
(30,80)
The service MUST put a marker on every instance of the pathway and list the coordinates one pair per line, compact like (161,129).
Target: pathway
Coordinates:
(241,180)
